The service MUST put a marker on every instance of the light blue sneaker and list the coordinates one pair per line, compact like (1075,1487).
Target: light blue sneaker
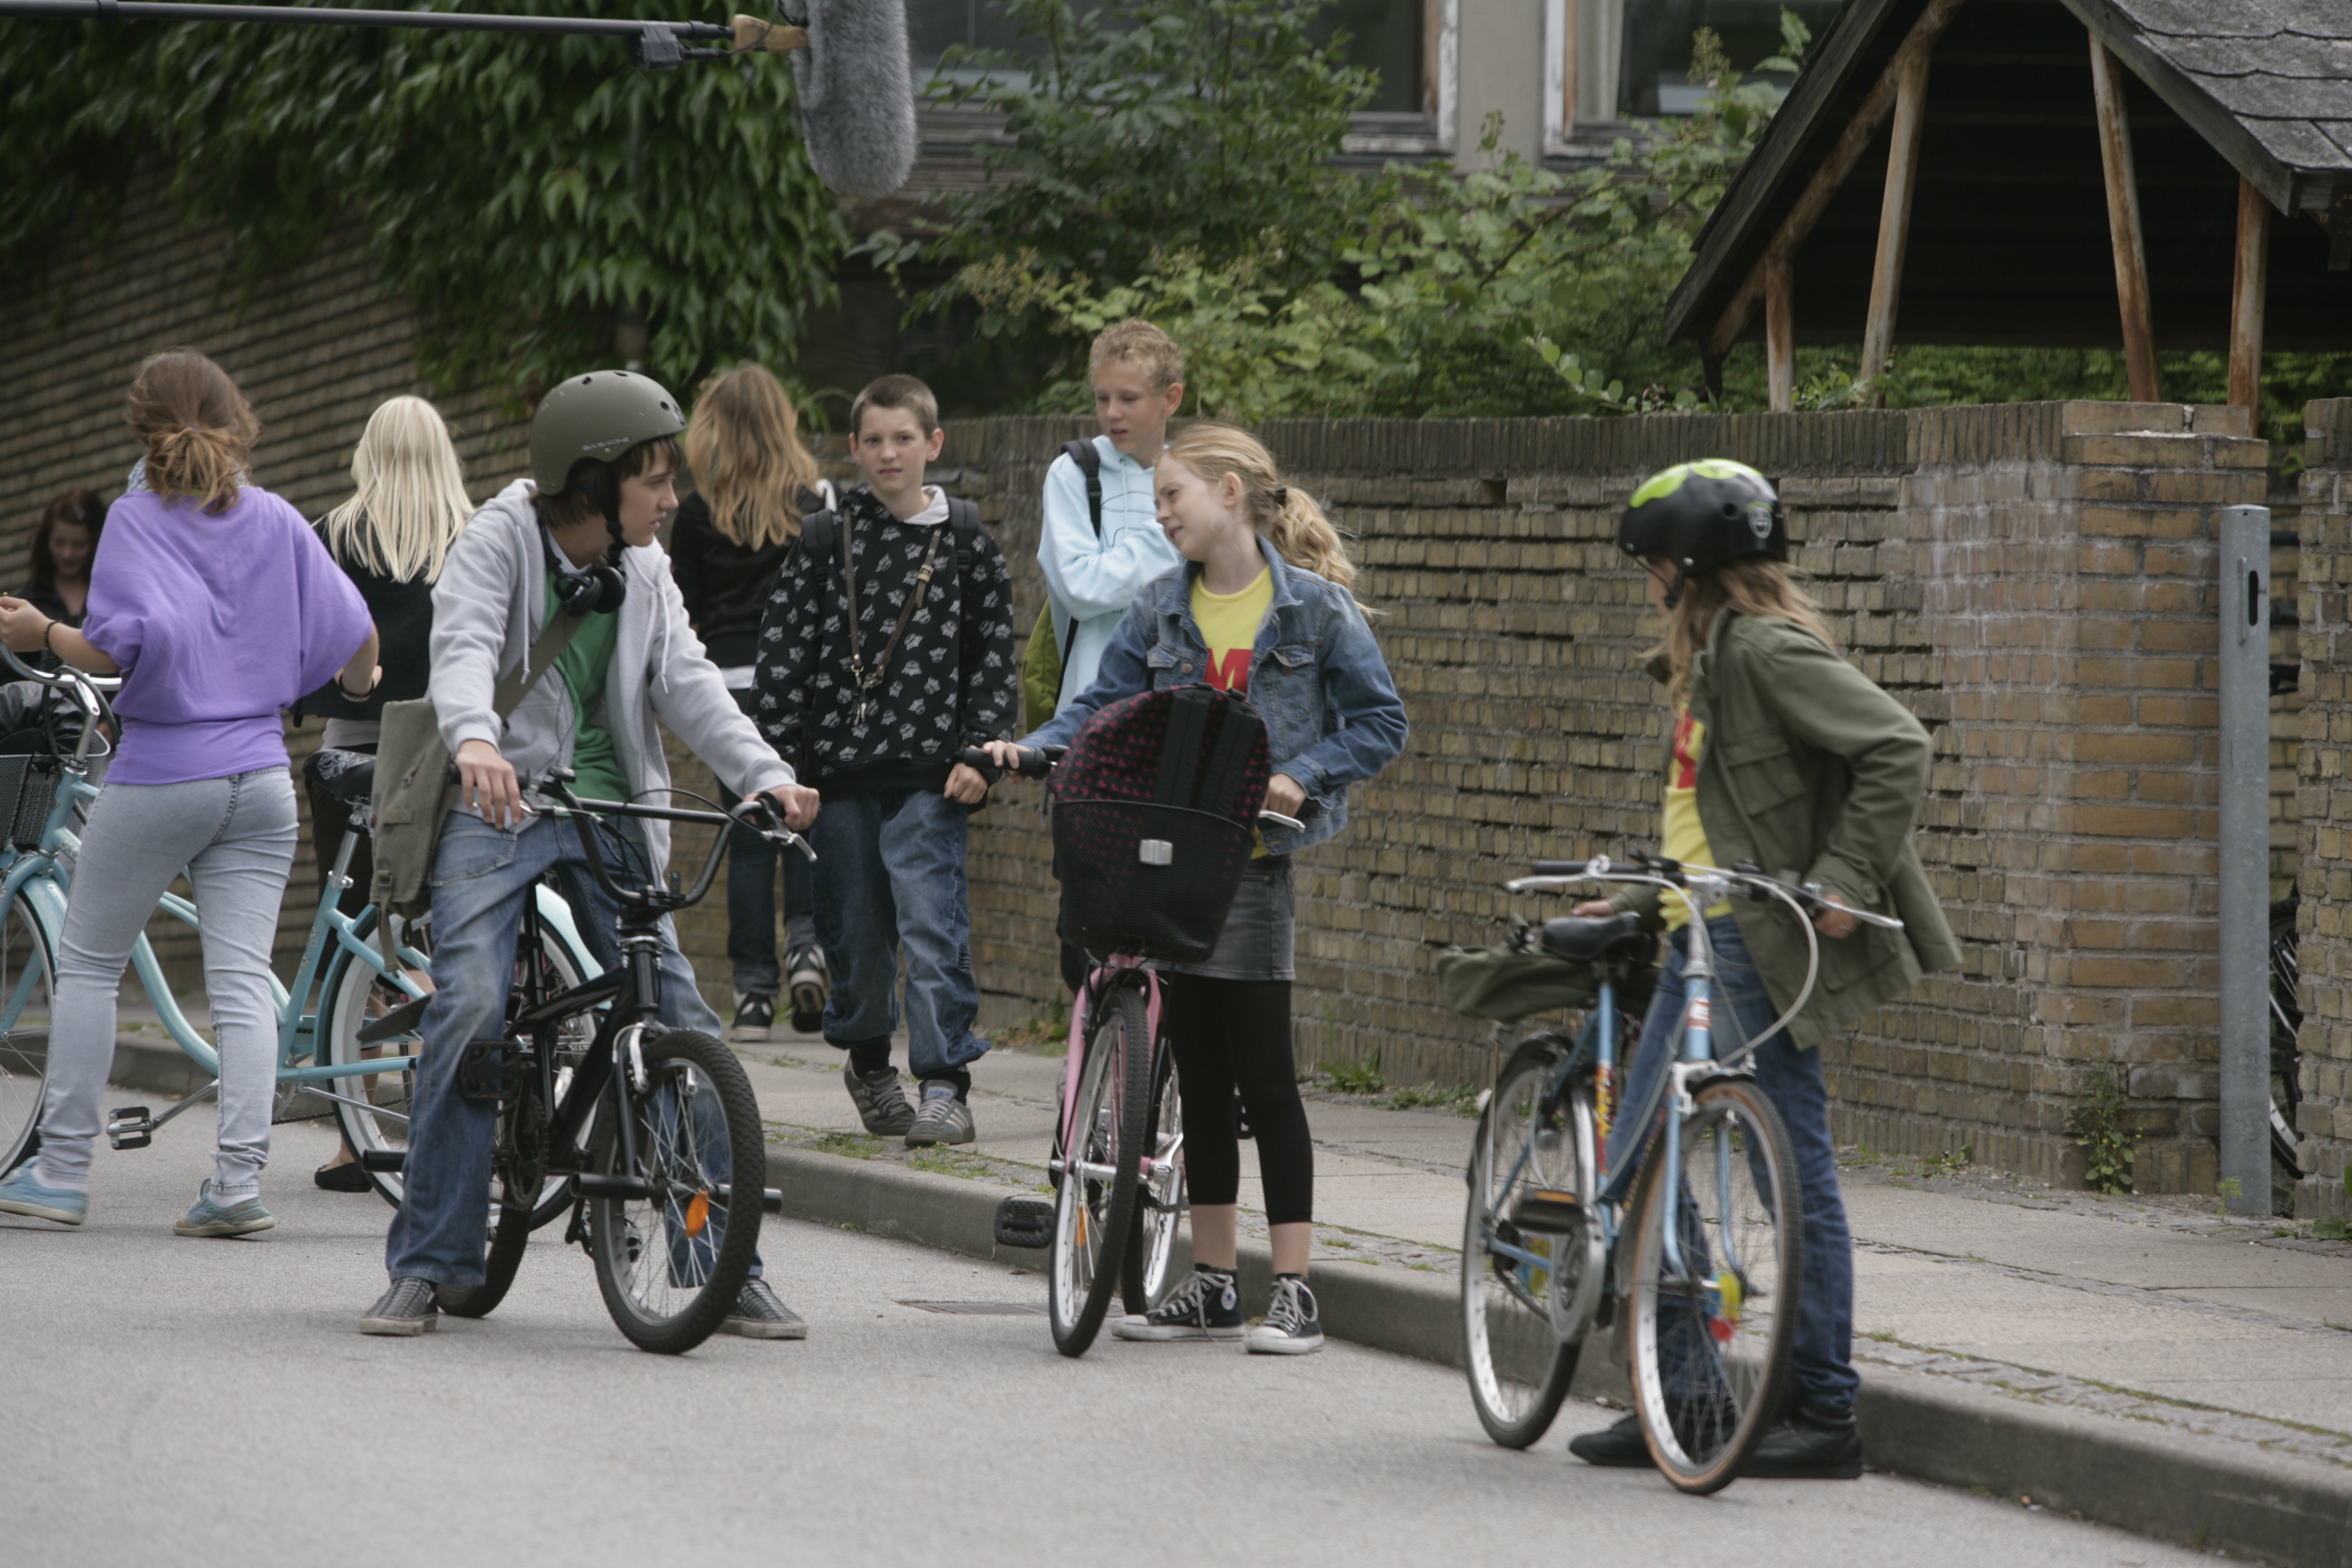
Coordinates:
(209,1218)
(22,1193)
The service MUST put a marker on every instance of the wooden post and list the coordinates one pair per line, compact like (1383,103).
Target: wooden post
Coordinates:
(1780,335)
(1814,199)
(2122,225)
(1894,221)
(2249,286)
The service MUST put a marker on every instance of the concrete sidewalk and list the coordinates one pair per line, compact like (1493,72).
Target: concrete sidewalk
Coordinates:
(2149,1362)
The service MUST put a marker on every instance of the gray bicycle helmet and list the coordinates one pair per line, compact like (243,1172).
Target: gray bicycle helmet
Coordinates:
(601,415)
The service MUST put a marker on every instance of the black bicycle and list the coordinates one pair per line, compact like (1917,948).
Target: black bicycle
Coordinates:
(649,1139)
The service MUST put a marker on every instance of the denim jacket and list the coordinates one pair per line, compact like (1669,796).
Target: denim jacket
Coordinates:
(1332,714)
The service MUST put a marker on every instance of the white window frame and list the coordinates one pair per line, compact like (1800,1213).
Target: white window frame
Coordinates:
(1585,37)
(1438,136)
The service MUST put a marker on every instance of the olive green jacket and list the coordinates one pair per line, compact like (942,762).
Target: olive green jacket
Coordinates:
(1813,774)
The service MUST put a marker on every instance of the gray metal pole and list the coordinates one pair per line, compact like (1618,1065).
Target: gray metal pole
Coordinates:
(2245,858)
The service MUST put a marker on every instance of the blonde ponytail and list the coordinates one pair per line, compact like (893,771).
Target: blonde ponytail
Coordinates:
(1285,514)
(198,429)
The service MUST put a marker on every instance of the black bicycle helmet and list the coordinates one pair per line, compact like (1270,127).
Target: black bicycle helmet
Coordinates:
(1702,516)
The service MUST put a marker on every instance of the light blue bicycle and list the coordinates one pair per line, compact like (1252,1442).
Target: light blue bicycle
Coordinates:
(347,1028)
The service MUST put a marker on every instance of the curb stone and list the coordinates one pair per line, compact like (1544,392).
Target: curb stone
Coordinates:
(2154,1482)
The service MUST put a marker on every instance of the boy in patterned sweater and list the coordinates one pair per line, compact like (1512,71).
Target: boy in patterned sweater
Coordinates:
(883,654)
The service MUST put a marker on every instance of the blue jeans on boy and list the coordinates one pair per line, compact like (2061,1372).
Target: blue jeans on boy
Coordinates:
(890,874)
(1791,1079)
(481,877)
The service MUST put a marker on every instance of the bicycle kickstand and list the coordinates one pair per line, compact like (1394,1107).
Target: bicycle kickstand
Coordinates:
(130,1126)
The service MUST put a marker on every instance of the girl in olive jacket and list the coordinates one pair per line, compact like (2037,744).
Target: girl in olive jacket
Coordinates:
(1782,755)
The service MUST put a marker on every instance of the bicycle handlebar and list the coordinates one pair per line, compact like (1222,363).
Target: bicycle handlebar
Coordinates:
(87,690)
(557,785)
(1037,763)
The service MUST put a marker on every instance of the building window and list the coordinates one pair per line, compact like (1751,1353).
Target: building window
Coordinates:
(1610,60)
(1389,37)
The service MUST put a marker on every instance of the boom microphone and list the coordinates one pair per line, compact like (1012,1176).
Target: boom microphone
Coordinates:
(857,95)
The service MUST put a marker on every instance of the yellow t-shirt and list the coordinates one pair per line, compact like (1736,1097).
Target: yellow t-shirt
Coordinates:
(1229,624)
(1684,836)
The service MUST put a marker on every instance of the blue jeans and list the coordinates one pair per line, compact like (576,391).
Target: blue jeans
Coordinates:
(890,874)
(481,877)
(751,868)
(1791,1079)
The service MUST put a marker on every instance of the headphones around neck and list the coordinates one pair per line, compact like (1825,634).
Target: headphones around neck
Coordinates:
(600,590)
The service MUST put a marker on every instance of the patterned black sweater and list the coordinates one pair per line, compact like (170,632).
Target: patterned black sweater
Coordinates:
(952,683)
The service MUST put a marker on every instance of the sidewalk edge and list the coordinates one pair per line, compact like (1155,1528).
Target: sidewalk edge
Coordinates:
(2208,1495)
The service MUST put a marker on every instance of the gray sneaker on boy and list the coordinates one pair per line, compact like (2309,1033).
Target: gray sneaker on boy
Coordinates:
(944,1118)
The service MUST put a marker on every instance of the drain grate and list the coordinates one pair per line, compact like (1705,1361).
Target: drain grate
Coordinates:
(982,1309)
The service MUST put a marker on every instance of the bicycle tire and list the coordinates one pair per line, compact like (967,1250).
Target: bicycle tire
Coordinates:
(1730,1377)
(500,1262)
(28,988)
(1160,1202)
(696,1093)
(2285,1081)
(1517,1365)
(1093,1217)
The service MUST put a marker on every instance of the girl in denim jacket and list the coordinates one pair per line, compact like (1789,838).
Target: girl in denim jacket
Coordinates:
(1261,607)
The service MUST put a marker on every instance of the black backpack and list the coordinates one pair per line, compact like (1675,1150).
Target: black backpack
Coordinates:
(1089,462)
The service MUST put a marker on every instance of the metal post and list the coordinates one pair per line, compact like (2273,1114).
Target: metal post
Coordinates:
(2245,856)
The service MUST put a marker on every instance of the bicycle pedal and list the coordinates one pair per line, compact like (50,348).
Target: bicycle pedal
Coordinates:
(1024,1222)
(391,1161)
(130,1127)
(490,1070)
(1544,1209)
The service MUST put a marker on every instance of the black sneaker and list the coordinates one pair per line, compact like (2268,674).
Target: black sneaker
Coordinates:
(754,1018)
(1292,1325)
(881,1103)
(1206,1306)
(1813,1444)
(1618,1446)
(408,1308)
(759,1315)
(808,980)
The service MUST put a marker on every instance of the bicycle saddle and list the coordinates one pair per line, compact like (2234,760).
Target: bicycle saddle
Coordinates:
(1590,940)
(349,776)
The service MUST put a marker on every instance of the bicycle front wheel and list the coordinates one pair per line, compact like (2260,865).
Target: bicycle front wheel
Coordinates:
(1714,1315)
(1523,1243)
(1094,1210)
(1159,1206)
(28,980)
(673,1255)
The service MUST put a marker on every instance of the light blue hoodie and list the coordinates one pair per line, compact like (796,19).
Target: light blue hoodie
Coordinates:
(1096,580)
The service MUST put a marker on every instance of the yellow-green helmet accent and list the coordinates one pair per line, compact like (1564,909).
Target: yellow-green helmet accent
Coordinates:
(1703,515)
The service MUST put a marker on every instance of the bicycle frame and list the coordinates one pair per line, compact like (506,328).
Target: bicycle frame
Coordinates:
(1114,971)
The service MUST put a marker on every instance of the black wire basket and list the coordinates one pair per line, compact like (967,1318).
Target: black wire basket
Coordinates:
(29,791)
(1156,881)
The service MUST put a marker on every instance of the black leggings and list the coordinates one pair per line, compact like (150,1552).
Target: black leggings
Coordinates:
(1232,1034)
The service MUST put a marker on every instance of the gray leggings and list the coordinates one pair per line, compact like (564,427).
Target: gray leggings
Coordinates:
(234,836)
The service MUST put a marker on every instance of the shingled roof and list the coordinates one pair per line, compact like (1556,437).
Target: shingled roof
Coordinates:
(2008,239)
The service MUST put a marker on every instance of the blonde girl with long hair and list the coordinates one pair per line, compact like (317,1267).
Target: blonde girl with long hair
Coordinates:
(215,602)
(1264,575)
(407,506)
(754,478)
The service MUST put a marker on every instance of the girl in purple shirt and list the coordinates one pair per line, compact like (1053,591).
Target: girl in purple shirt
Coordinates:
(219,608)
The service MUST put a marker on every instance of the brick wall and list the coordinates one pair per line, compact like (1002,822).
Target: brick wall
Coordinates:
(2324,1120)
(2036,581)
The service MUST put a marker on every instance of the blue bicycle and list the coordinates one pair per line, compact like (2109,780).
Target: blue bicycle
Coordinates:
(1559,1239)
(348,1025)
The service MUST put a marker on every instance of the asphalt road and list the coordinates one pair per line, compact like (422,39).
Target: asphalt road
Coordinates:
(166,1401)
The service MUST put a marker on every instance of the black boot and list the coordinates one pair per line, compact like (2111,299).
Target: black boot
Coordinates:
(1812,1443)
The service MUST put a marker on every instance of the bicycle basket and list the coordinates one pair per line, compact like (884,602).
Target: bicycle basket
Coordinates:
(1155,813)
(28,789)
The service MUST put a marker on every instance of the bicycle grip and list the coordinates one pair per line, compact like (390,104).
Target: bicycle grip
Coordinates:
(980,763)
(1558,868)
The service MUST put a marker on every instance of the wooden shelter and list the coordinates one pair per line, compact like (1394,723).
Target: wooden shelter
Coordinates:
(2165,173)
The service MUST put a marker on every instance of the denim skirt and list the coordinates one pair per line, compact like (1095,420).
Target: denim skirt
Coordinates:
(1259,939)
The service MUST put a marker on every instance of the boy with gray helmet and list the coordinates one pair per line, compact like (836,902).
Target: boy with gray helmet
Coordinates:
(604,452)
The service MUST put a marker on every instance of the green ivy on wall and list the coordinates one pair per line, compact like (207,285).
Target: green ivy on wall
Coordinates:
(528,196)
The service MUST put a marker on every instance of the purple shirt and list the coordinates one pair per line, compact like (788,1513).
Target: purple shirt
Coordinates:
(218,622)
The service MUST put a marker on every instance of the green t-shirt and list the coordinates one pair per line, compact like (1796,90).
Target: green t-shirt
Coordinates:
(583,664)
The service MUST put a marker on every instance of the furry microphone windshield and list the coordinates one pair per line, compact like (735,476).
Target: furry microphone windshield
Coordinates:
(857,95)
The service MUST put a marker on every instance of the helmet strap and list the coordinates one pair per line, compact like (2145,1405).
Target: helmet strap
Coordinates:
(1675,593)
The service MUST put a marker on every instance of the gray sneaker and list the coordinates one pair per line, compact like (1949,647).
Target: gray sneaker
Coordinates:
(758,1315)
(944,1118)
(407,1308)
(208,1219)
(881,1103)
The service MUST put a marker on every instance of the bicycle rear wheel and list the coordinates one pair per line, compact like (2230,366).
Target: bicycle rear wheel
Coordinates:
(1531,1158)
(1094,1207)
(1713,1331)
(673,1257)
(1160,1203)
(513,1221)
(28,980)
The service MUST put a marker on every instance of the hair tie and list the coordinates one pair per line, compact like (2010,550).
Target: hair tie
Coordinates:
(1281,496)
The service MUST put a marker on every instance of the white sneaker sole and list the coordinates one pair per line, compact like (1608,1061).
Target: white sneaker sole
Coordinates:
(223,1227)
(762,1329)
(36,1211)
(1262,1343)
(1146,1333)
(399,1328)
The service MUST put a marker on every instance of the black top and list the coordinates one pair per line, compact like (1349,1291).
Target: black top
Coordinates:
(725,585)
(404,624)
(952,683)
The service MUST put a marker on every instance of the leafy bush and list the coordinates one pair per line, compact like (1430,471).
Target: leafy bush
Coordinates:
(522,192)
(2097,1124)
